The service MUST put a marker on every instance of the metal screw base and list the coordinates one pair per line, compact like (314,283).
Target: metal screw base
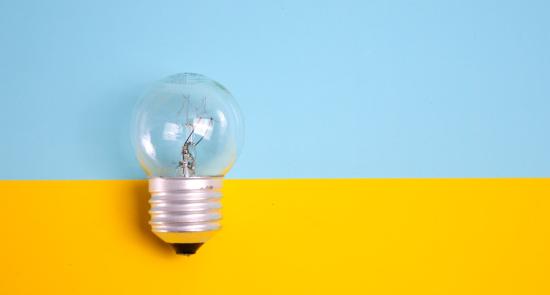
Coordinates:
(185,211)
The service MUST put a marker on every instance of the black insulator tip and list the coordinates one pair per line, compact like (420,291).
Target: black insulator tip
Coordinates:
(186,249)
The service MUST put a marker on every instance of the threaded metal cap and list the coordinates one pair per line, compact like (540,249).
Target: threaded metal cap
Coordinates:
(185,210)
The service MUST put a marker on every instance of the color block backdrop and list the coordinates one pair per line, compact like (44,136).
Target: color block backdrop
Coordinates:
(329,89)
(414,91)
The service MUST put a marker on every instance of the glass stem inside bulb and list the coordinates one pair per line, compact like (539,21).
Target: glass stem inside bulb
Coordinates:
(187,164)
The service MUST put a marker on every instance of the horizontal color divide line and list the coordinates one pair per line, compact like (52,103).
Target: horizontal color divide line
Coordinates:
(307,236)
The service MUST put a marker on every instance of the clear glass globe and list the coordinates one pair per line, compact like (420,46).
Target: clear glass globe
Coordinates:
(187,125)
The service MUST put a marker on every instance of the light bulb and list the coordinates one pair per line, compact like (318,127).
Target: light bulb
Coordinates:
(188,131)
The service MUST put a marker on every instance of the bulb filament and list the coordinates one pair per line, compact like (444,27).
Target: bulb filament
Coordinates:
(203,126)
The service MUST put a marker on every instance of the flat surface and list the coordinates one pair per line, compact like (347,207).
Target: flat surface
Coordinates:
(463,236)
(329,89)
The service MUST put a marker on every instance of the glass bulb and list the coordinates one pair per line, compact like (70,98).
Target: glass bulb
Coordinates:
(188,131)
(188,125)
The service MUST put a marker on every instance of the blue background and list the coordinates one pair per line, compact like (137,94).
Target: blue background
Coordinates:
(329,89)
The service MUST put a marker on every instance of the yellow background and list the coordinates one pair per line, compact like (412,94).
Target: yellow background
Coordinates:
(430,236)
